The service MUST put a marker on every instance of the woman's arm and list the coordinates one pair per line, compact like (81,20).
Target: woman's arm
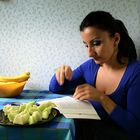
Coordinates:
(77,78)
(107,103)
(129,118)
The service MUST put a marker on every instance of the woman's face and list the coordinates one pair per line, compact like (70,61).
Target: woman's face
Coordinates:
(100,46)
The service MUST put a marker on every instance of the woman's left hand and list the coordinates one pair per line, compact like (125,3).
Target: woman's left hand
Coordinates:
(86,92)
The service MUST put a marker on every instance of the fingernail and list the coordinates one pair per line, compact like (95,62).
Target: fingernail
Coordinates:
(73,95)
(76,98)
(60,83)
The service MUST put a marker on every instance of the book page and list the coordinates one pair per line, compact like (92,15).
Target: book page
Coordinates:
(73,108)
(82,116)
(70,105)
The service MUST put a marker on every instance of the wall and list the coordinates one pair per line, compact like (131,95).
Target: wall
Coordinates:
(40,35)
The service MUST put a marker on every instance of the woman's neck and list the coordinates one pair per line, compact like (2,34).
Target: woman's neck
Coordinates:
(115,65)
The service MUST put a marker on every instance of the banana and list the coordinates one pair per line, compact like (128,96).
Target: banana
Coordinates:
(19,78)
(27,73)
(7,83)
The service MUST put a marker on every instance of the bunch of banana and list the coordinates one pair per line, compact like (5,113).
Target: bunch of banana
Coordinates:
(19,78)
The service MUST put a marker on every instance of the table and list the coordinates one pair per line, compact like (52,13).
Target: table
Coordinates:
(60,128)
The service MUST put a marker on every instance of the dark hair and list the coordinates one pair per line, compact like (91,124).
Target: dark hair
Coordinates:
(104,21)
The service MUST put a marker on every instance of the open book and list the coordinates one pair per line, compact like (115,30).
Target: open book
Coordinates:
(72,108)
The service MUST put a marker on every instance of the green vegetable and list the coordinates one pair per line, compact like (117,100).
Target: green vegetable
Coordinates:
(21,118)
(28,113)
(45,114)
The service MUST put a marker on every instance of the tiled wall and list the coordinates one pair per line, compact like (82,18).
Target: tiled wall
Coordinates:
(40,35)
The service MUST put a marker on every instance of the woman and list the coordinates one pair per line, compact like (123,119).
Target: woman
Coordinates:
(109,80)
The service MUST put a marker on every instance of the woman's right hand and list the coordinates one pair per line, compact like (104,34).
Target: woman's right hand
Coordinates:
(63,72)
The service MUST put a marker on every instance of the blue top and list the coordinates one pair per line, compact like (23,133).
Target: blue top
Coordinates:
(126,96)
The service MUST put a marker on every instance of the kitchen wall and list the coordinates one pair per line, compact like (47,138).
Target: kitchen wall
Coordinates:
(39,35)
